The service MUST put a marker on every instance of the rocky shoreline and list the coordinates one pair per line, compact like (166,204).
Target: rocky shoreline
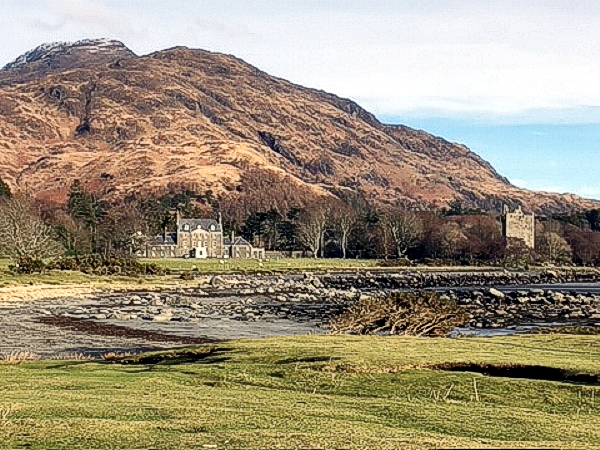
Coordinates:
(254,306)
(316,298)
(496,309)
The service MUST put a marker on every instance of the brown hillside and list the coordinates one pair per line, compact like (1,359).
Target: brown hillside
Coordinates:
(190,116)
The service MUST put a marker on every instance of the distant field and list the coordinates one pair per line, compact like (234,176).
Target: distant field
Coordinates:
(215,265)
(226,265)
(206,266)
(309,392)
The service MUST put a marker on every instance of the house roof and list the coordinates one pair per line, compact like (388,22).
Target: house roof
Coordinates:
(160,239)
(237,241)
(210,225)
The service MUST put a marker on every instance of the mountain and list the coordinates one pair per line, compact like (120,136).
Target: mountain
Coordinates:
(58,56)
(95,111)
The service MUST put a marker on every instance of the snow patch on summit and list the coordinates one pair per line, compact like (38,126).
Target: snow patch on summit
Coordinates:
(49,50)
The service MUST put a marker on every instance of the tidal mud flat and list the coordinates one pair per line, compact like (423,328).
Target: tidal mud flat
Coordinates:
(256,306)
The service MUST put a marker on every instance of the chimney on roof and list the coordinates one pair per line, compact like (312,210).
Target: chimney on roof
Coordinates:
(178,215)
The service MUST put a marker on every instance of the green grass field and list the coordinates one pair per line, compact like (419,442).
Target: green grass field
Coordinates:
(207,266)
(282,264)
(309,392)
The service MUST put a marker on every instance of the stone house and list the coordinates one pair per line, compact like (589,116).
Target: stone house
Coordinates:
(161,246)
(519,225)
(200,239)
(238,247)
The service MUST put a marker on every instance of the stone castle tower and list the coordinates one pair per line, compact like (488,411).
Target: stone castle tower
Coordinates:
(518,225)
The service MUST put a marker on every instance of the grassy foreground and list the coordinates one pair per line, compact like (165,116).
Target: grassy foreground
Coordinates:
(309,392)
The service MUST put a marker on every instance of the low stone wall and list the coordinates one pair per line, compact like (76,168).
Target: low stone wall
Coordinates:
(424,280)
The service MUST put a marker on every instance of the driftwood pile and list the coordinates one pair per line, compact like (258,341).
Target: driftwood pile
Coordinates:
(406,314)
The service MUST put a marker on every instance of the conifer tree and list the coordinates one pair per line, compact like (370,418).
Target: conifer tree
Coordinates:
(5,190)
(86,208)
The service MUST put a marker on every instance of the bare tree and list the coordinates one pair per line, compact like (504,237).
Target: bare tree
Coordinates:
(344,219)
(312,229)
(404,228)
(118,231)
(452,239)
(72,234)
(482,237)
(23,233)
(384,238)
(553,247)
(585,245)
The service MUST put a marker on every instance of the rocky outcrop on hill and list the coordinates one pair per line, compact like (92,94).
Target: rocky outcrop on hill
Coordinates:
(94,111)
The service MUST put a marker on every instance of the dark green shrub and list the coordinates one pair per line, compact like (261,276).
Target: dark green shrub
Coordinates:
(96,264)
(402,262)
(27,265)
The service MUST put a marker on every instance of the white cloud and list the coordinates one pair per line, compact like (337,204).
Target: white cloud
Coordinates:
(474,58)
(505,62)
(590,191)
(92,15)
(544,185)
(541,185)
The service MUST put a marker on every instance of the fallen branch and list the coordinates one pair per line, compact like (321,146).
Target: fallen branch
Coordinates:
(407,314)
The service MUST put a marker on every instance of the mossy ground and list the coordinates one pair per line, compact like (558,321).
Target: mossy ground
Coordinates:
(308,392)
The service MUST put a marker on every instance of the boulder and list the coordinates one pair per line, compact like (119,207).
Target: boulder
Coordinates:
(218,281)
(163,318)
(496,293)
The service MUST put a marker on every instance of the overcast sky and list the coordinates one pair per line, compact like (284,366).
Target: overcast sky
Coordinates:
(515,80)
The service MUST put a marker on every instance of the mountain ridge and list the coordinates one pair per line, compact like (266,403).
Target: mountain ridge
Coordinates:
(189,116)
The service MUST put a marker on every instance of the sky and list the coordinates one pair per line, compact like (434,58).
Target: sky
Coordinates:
(516,81)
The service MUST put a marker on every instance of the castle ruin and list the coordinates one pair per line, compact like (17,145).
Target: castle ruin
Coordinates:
(518,225)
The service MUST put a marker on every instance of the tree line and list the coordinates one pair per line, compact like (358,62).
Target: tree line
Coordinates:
(321,226)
